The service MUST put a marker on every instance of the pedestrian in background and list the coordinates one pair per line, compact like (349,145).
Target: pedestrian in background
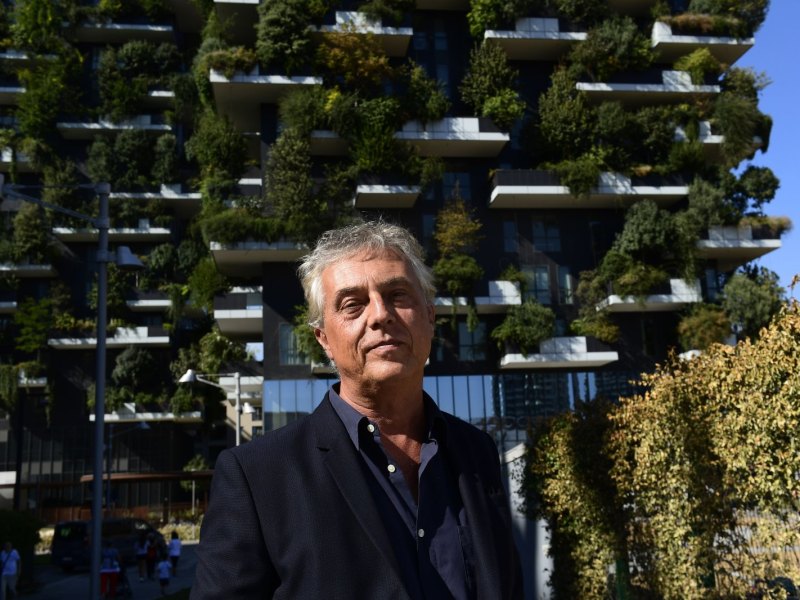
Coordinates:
(174,551)
(11,565)
(163,569)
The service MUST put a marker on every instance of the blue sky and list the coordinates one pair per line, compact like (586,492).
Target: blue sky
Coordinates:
(776,53)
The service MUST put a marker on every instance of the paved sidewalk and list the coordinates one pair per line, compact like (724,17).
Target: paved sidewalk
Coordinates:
(56,585)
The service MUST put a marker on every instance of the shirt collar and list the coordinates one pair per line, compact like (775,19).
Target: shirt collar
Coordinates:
(352,419)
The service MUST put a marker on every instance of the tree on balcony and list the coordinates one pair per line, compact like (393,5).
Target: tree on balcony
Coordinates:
(356,60)
(489,86)
(283,39)
(614,46)
(524,327)
(30,240)
(703,325)
(457,235)
(37,25)
(751,298)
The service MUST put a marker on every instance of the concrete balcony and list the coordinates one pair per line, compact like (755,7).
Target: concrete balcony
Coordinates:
(130,413)
(563,353)
(455,137)
(678,295)
(10,93)
(8,303)
(734,246)
(250,386)
(526,188)
(675,86)
(244,259)
(239,313)
(712,142)
(240,96)
(28,270)
(395,40)
(144,232)
(239,18)
(535,39)
(88,130)
(670,47)
(159,100)
(31,383)
(385,192)
(184,204)
(149,302)
(119,33)
(152,337)
(502,296)
(19,161)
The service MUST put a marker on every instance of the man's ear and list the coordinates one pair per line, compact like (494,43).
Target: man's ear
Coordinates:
(431,315)
(319,333)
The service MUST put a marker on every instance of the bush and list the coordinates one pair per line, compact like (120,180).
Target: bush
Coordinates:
(218,147)
(579,175)
(425,99)
(283,41)
(614,46)
(525,326)
(488,76)
(699,64)
(566,121)
(358,59)
(705,324)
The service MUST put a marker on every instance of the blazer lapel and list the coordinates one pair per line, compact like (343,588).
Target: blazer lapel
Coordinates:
(477,506)
(344,464)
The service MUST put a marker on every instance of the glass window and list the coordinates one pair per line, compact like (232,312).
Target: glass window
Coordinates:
(510,241)
(440,40)
(538,287)
(471,344)
(289,354)
(546,236)
(420,41)
(565,291)
(456,184)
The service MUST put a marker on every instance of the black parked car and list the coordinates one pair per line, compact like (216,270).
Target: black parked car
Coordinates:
(72,540)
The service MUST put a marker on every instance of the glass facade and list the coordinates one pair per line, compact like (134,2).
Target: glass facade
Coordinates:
(504,405)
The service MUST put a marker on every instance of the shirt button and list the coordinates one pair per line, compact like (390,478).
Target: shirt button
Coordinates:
(391,468)
(371,428)
(421,533)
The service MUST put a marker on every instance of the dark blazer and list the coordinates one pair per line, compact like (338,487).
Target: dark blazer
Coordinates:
(291,516)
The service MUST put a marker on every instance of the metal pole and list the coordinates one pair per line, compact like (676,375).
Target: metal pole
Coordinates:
(237,379)
(102,224)
(108,466)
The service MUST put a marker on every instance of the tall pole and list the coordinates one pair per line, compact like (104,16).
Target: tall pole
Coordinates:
(108,465)
(237,379)
(102,224)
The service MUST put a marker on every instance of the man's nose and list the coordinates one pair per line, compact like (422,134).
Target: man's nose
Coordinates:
(379,312)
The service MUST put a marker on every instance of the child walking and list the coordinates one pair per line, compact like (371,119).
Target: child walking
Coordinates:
(163,569)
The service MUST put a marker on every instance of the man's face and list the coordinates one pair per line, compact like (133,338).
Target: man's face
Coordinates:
(377,324)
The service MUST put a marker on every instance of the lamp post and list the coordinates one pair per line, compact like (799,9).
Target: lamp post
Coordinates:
(191,377)
(142,426)
(125,260)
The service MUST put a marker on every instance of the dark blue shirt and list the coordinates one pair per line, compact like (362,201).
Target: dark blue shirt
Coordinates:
(430,535)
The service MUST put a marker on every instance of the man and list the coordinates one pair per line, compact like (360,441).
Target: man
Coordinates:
(377,493)
(11,564)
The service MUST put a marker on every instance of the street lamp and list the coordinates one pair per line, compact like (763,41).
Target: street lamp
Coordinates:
(126,261)
(191,377)
(141,426)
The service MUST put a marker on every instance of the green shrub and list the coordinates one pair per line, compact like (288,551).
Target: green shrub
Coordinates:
(614,46)
(425,99)
(219,149)
(699,64)
(487,77)
(566,121)
(387,11)
(525,326)
(579,175)
(705,324)
(505,108)
(283,41)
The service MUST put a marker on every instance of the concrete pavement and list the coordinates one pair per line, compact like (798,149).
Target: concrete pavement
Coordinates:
(54,584)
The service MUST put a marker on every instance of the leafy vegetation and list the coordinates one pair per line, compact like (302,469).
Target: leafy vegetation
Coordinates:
(489,86)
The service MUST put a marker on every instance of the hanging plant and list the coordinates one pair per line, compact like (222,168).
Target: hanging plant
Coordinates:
(9,386)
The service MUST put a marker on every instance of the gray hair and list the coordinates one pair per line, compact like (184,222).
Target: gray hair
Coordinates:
(374,238)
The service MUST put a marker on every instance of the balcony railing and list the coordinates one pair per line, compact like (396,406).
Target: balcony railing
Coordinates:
(670,47)
(395,40)
(524,188)
(535,39)
(87,130)
(386,191)
(677,295)
(734,246)
(675,86)
(154,337)
(240,96)
(118,33)
(456,137)
(502,295)
(245,258)
(239,313)
(563,353)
